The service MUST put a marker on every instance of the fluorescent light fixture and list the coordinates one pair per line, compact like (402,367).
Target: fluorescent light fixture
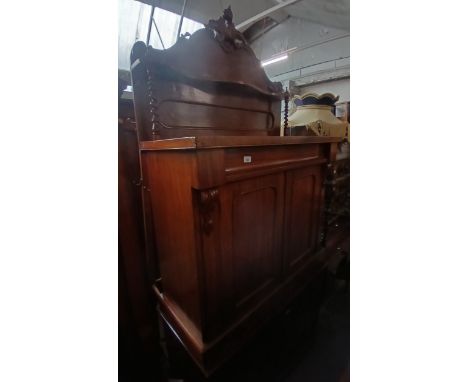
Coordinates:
(275,59)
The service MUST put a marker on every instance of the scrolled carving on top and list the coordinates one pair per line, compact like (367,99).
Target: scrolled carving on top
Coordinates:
(228,37)
(217,53)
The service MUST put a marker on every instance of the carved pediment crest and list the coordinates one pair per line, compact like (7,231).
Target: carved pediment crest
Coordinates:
(228,37)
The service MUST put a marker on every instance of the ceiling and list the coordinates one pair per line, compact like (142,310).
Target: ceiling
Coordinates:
(304,24)
(332,13)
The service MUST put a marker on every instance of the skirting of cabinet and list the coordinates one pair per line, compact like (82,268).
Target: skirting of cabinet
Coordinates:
(210,356)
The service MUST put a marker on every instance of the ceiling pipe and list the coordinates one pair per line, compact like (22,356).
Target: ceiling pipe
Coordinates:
(181,19)
(317,43)
(306,46)
(150,25)
(159,34)
(292,77)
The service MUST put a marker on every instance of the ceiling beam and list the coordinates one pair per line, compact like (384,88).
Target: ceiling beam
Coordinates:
(264,13)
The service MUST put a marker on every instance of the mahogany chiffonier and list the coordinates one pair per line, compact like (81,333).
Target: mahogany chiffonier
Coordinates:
(235,209)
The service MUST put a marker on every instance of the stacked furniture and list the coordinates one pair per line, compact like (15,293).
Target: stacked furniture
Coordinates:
(313,116)
(233,211)
(138,329)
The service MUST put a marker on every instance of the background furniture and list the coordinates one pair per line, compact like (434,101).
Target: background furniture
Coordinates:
(138,329)
(313,116)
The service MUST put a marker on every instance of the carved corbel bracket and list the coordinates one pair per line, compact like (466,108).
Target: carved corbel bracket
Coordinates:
(209,199)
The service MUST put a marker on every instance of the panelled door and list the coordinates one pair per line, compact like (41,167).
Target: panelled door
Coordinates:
(244,264)
(302,216)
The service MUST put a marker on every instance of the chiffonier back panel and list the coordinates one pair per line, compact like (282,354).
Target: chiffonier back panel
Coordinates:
(210,83)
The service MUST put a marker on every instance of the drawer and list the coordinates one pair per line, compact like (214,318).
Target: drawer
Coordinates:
(252,161)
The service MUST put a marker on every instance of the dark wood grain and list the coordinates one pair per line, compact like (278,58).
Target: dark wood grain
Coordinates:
(210,142)
(169,178)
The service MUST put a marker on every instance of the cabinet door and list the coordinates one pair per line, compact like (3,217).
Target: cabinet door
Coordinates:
(302,216)
(248,234)
(253,223)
